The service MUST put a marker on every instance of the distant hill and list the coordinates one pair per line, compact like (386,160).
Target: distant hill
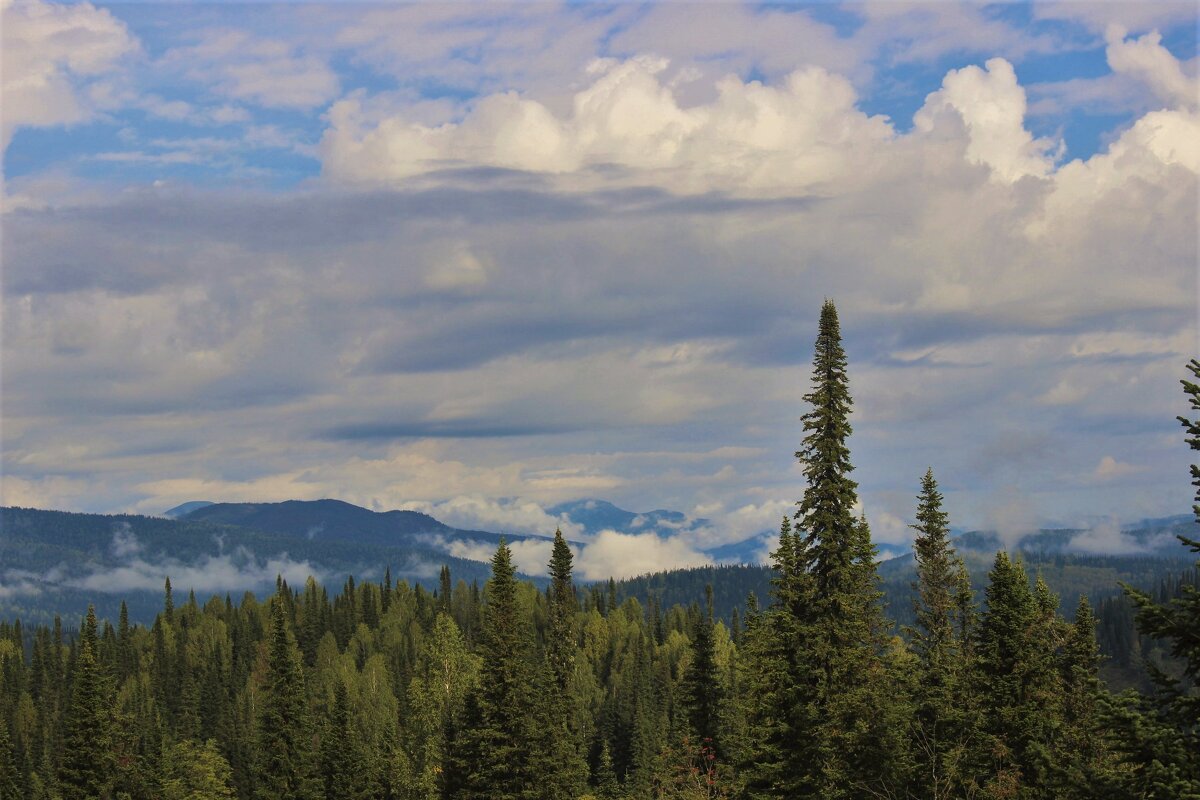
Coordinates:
(338,521)
(185,508)
(57,562)
(53,561)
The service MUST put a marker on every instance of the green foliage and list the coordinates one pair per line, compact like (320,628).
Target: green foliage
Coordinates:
(284,743)
(196,772)
(86,767)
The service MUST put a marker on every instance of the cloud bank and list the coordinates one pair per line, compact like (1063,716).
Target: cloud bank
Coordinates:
(375,254)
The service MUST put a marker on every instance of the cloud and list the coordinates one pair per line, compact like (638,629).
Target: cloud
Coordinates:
(991,105)
(529,556)
(623,555)
(225,572)
(1107,539)
(1010,513)
(558,288)
(1110,469)
(796,135)
(125,543)
(52,55)
(513,515)
(267,72)
(1146,59)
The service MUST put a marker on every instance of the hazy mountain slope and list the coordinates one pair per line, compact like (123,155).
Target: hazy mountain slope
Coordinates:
(56,562)
(338,521)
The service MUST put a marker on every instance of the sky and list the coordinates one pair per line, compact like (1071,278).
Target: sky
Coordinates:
(477,260)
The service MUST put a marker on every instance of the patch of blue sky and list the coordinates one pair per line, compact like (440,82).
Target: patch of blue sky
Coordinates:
(1182,41)
(34,150)
(353,74)
(843,18)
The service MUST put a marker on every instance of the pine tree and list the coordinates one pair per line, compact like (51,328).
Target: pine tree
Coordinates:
(285,753)
(562,764)
(86,768)
(1161,741)
(942,725)
(10,788)
(1084,763)
(702,688)
(494,755)
(342,764)
(1020,682)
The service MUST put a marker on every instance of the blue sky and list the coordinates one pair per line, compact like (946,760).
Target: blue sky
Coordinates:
(482,259)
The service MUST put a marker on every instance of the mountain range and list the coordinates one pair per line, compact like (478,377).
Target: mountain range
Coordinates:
(56,562)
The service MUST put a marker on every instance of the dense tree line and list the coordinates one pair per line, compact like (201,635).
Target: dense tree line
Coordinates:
(509,691)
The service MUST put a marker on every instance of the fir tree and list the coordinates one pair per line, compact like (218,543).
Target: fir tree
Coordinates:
(1084,763)
(702,684)
(563,767)
(10,788)
(494,754)
(1160,735)
(342,764)
(942,724)
(1019,680)
(814,710)
(285,753)
(86,768)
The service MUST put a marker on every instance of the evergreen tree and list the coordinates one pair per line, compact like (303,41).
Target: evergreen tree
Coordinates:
(562,767)
(1160,735)
(343,766)
(1084,762)
(702,687)
(816,715)
(942,725)
(1020,683)
(494,754)
(284,753)
(85,767)
(10,788)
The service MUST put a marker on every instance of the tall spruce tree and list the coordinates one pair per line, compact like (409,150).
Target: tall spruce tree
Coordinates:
(10,783)
(343,767)
(942,725)
(85,766)
(1159,736)
(493,751)
(285,752)
(560,760)
(814,709)
(702,689)
(1019,678)
(1084,767)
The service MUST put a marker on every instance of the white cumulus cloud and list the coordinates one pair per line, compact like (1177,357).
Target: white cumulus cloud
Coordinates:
(624,555)
(51,53)
(991,105)
(802,132)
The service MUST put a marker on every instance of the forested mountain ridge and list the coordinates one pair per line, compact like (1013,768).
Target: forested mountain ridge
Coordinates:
(59,562)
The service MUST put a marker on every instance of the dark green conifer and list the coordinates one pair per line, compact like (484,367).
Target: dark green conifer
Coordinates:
(85,765)
(814,711)
(494,756)
(942,724)
(285,753)
(702,688)
(343,767)
(1159,736)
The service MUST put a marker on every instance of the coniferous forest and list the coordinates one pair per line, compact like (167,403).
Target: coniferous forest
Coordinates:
(506,691)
